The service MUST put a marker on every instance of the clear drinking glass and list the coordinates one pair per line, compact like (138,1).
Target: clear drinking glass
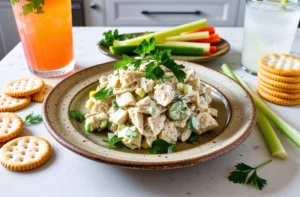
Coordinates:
(45,29)
(270,27)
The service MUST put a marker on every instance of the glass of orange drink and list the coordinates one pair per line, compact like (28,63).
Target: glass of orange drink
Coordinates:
(45,29)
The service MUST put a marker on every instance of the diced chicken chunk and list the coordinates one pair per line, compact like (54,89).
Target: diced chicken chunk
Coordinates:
(113,81)
(185,134)
(146,84)
(118,91)
(150,140)
(181,123)
(100,106)
(94,121)
(156,123)
(129,77)
(164,94)
(207,122)
(213,112)
(103,82)
(136,119)
(169,133)
(119,117)
(125,99)
(145,102)
(201,103)
(130,142)
(189,72)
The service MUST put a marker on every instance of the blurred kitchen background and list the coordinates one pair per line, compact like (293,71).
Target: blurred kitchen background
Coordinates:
(220,13)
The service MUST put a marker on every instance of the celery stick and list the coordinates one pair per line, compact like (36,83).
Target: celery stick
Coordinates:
(175,50)
(205,46)
(270,136)
(287,129)
(187,37)
(273,142)
(159,36)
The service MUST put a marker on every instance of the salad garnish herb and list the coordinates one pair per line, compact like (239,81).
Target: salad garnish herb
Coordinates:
(104,93)
(33,119)
(243,171)
(193,123)
(33,6)
(76,115)
(160,146)
(154,63)
(110,36)
(115,104)
(193,138)
(203,95)
(113,140)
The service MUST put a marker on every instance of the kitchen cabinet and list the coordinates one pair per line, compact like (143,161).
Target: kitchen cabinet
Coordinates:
(171,12)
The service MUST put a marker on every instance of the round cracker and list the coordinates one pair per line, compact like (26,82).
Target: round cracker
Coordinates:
(291,79)
(278,84)
(11,125)
(275,100)
(284,65)
(10,104)
(41,95)
(282,95)
(23,87)
(270,87)
(25,153)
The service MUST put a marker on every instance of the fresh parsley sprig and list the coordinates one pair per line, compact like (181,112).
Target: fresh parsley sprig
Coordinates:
(160,146)
(243,171)
(112,140)
(33,119)
(193,138)
(154,60)
(76,115)
(33,6)
(104,93)
(193,123)
(110,36)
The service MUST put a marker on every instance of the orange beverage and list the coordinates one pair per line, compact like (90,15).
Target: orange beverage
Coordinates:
(45,28)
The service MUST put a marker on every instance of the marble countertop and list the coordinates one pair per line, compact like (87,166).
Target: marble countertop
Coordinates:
(68,174)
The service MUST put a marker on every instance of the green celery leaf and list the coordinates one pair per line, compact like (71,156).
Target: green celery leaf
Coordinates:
(76,115)
(160,146)
(104,93)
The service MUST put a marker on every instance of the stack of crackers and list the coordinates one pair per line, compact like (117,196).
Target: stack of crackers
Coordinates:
(279,79)
(21,153)
(18,94)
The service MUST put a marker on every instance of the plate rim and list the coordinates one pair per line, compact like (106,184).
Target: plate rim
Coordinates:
(202,60)
(150,165)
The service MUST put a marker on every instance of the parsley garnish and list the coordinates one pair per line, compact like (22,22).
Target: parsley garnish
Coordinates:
(35,6)
(76,115)
(154,63)
(203,95)
(115,104)
(33,119)
(152,98)
(113,140)
(193,123)
(110,36)
(243,171)
(193,138)
(103,93)
(160,146)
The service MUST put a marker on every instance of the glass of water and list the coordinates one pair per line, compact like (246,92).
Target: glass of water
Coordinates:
(270,27)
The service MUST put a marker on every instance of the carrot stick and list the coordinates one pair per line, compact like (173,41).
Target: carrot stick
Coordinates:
(207,54)
(211,41)
(210,29)
(213,49)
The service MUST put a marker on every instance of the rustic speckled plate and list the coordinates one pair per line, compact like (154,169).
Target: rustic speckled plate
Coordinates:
(236,118)
(222,48)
